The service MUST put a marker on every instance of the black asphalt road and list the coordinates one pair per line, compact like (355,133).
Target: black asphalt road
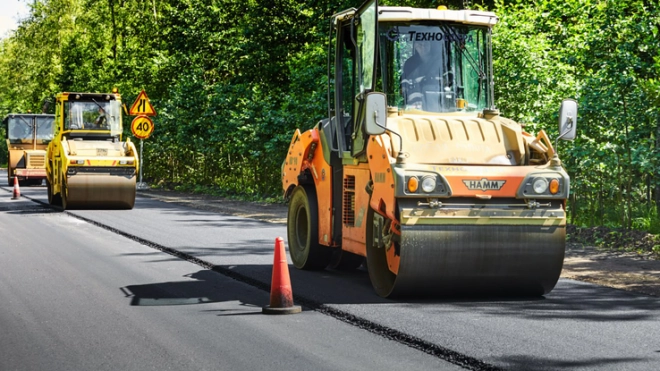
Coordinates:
(578,326)
(78,297)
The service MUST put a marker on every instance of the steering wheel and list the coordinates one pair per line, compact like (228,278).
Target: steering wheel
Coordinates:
(444,81)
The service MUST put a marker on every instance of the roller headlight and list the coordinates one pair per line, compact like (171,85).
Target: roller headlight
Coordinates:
(540,185)
(429,184)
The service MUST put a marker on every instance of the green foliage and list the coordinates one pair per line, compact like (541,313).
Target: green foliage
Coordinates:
(231,80)
(604,54)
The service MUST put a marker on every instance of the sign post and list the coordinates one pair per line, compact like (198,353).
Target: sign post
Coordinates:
(141,184)
(142,126)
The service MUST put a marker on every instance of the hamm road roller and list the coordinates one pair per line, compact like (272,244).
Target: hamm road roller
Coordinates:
(89,166)
(27,137)
(415,169)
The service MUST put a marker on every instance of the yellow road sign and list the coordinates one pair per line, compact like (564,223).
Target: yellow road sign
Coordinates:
(142,127)
(142,106)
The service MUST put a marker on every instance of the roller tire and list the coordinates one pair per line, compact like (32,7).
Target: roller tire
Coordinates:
(54,200)
(64,196)
(49,192)
(302,231)
(382,279)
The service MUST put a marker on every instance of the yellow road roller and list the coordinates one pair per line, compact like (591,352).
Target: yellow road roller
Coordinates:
(89,165)
(416,171)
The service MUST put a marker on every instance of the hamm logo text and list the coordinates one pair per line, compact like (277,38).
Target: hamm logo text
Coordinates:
(484,184)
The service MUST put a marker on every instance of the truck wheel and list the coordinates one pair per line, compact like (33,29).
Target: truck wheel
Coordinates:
(302,231)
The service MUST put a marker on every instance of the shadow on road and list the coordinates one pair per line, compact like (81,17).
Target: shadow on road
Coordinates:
(528,363)
(569,300)
(206,287)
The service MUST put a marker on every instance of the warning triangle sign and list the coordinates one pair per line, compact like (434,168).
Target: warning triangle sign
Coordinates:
(142,106)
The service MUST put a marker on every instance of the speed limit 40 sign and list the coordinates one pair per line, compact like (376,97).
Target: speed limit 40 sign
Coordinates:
(142,127)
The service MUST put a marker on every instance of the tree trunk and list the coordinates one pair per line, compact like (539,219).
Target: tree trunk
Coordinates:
(114,29)
(656,175)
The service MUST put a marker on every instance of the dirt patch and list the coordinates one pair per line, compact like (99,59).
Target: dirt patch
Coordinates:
(632,271)
(618,269)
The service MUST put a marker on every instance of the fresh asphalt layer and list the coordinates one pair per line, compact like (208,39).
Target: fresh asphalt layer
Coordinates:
(578,326)
(79,297)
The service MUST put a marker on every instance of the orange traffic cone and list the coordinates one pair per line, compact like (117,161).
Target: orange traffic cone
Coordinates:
(281,296)
(17,191)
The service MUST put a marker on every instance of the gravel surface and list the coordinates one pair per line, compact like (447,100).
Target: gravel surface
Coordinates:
(622,270)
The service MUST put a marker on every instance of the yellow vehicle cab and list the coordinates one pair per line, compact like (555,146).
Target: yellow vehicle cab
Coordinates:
(414,169)
(89,166)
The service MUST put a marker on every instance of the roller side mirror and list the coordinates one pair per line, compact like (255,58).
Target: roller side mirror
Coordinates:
(376,113)
(567,119)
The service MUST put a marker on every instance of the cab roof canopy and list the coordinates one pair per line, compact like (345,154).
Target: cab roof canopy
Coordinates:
(476,17)
(12,115)
(406,14)
(90,96)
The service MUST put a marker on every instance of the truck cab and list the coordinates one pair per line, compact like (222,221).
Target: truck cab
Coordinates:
(27,137)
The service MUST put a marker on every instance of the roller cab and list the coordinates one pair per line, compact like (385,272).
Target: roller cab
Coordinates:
(27,136)
(89,166)
(415,173)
